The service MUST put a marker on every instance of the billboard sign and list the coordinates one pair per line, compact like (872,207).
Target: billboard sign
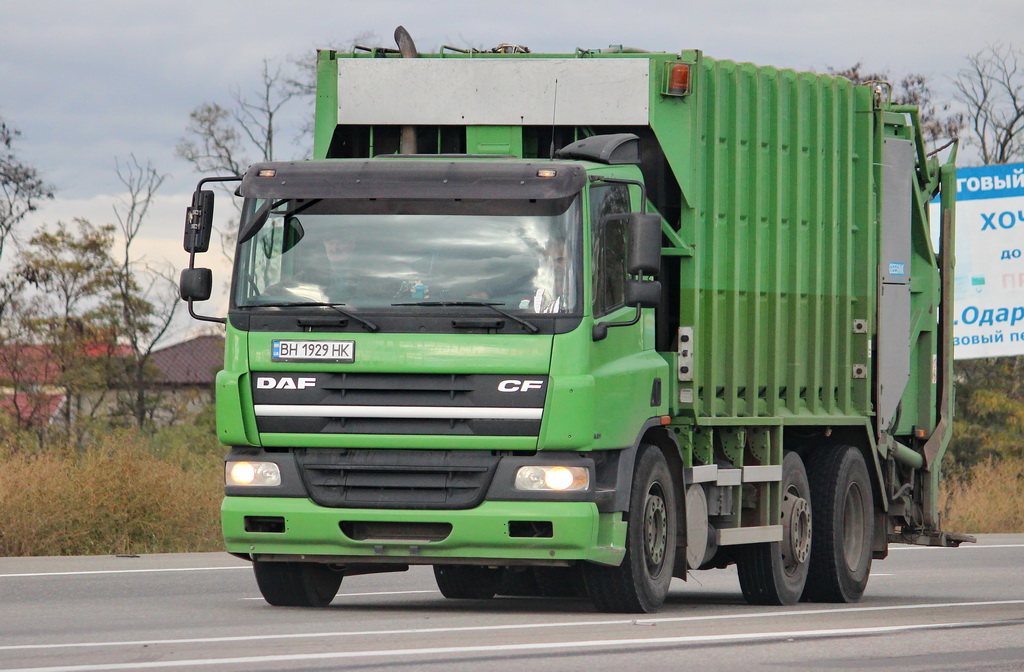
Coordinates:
(989,276)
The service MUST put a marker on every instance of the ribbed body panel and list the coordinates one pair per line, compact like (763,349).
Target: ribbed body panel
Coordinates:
(783,228)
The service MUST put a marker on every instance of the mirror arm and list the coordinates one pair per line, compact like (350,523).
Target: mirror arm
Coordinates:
(617,180)
(204,318)
(600,331)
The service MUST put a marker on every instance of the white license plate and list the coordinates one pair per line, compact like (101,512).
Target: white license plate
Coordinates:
(313,351)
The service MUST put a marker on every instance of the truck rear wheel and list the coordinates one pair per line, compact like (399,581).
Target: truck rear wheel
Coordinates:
(297,584)
(775,573)
(843,526)
(467,582)
(640,584)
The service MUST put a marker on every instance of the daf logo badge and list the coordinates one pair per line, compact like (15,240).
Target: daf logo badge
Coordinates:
(284,383)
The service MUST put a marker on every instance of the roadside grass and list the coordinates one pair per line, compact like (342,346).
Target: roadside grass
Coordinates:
(130,493)
(988,498)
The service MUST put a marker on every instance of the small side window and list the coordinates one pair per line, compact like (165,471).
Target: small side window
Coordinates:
(610,247)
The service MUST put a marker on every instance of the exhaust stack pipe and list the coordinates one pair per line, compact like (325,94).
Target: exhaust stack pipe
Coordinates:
(407,141)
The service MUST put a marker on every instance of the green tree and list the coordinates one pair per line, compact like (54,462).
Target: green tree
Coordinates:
(65,281)
(989,409)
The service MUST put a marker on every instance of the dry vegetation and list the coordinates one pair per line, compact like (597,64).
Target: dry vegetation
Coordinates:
(988,498)
(133,494)
(153,493)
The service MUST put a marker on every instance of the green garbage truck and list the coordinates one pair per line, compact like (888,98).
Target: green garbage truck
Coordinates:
(576,324)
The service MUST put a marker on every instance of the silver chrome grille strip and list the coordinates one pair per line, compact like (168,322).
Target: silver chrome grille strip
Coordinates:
(417,412)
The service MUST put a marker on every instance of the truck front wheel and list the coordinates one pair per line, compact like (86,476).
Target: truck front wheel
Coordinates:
(843,526)
(640,584)
(297,584)
(775,573)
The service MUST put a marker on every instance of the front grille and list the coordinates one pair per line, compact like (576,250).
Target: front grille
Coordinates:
(396,479)
(427,404)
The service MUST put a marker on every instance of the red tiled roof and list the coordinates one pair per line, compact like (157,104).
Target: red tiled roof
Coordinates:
(192,362)
(37,364)
(32,409)
(28,364)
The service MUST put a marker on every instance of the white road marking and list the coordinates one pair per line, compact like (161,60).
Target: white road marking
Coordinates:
(247,567)
(509,648)
(517,626)
(388,592)
(122,571)
(964,547)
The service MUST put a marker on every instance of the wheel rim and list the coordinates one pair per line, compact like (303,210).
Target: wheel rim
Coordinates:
(853,527)
(655,529)
(796,526)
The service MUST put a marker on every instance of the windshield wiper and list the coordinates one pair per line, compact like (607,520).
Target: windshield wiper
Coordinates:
(482,304)
(370,326)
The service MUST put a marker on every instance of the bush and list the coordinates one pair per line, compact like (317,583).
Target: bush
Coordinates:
(160,493)
(988,498)
(116,497)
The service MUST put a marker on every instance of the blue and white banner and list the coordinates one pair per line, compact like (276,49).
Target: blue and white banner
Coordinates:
(989,276)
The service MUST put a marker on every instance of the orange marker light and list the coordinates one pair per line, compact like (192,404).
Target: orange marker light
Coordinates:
(679,80)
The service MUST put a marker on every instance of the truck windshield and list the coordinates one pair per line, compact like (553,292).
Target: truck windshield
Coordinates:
(327,251)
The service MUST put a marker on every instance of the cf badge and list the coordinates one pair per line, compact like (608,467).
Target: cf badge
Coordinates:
(520,385)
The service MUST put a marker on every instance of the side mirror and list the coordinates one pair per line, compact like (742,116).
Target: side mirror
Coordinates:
(196,284)
(643,293)
(644,244)
(199,222)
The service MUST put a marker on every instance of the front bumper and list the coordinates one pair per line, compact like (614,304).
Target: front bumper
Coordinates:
(495,533)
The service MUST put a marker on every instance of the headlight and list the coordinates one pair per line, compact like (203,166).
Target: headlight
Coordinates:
(558,478)
(252,473)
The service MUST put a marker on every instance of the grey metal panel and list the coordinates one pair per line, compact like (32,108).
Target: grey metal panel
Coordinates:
(893,361)
(731,536)
(494,91)
(898,161)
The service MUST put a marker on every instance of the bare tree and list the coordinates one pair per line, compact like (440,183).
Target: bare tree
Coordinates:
(221,139)
(146,296)
(992,89)
(256,116)
(302,82)
(212,144)
(21,187)
(215,140)
(938,121)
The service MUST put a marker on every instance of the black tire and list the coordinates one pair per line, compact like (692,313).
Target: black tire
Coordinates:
(640,584)
(844,519)
(297,584)
(775,573)
(467,582)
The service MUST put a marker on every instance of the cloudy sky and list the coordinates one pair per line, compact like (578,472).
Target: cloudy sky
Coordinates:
(90,82)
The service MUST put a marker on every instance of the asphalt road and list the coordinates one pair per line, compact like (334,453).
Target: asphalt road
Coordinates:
(925,609)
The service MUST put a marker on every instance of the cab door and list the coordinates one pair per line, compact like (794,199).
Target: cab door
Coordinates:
(628,372)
